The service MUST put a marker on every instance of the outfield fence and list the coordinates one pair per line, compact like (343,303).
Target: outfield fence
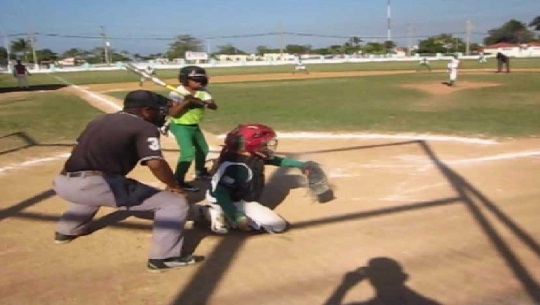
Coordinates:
(214,63)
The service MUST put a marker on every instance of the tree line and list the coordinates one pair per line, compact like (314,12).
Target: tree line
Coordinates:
(513,31)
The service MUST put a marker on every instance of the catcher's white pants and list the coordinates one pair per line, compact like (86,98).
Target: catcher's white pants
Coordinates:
(259,217)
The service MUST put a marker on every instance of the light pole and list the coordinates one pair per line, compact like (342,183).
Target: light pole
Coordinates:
(105,45)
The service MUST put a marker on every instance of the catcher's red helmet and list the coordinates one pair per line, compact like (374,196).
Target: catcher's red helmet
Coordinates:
(257,139)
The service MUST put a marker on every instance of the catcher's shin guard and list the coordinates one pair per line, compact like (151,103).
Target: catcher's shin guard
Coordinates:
(215,216)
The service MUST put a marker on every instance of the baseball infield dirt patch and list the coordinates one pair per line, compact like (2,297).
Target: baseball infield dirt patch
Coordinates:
(450,220)
(443,88)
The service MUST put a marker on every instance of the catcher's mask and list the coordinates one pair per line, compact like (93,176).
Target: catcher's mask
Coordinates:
(257,139)
(194,73)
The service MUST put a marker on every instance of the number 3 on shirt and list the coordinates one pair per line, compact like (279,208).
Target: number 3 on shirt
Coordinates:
(153,143)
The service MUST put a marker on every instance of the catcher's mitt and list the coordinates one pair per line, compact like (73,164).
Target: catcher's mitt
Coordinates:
(318,184)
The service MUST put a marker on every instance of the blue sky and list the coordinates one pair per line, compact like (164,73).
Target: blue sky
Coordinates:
(125,20)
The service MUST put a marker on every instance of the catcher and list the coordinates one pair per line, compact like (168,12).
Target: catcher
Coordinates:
(238,181)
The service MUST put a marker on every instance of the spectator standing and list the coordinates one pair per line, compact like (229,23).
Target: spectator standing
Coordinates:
(21,73)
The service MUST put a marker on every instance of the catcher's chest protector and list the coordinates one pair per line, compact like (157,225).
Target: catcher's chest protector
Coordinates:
(252,189)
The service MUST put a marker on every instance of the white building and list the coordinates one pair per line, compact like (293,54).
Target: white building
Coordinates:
(531,49)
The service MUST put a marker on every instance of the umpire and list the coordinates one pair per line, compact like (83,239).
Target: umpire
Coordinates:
(503,61)
(95,175)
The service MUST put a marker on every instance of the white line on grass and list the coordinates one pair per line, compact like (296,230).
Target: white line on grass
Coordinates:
(308,135)
(91,94)
(33,162)
(509,156)
(317,135)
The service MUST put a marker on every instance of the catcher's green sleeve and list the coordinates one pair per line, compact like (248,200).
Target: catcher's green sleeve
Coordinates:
(285,162)
(223,198)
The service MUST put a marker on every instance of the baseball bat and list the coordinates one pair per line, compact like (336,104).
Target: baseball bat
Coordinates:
(156,80)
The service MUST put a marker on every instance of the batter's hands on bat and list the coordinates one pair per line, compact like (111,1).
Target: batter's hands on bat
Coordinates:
(194,102)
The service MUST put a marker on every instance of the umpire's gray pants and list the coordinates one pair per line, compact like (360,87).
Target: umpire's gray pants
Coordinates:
(88,194)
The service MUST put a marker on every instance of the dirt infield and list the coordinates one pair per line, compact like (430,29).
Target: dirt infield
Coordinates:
(456,221)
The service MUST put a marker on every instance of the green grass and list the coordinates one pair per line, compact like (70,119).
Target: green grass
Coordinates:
(379,104)
(47,118)
(352,104)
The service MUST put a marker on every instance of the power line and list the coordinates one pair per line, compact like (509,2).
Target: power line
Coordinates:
(100,37)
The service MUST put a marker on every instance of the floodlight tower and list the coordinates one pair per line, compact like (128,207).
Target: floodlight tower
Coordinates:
(388,17)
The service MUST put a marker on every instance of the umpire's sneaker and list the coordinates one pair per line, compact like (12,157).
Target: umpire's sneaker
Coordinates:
(162,265)
(61,239)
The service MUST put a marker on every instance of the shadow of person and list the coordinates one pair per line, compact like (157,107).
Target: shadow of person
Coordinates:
(388,281)
(278,188)
(193,235)
(200,195)
(46,87)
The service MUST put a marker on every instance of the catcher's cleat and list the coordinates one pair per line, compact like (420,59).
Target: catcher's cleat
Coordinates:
(162,265)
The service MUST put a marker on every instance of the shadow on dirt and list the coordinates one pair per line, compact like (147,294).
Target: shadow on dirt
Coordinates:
(33,88)
(27,141)
(387,278)
(203,285)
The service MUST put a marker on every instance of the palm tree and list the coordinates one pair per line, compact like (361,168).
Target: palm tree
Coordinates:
(21,45)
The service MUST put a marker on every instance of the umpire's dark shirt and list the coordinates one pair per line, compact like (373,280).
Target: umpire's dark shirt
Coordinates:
(114,144)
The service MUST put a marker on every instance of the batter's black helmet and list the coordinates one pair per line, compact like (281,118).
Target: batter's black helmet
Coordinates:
(195,73)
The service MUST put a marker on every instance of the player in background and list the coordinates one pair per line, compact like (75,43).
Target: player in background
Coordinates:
(503,62)
(151,71)
(299,66)
(482,58)
(453,66)
(424,62)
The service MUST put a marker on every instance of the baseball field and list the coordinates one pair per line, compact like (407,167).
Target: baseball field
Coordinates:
(437,191)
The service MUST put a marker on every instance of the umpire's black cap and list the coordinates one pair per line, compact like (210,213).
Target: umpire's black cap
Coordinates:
(145,98)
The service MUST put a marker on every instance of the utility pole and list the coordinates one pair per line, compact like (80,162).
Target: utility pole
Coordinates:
(33,45)
(281,38)
(468,27)
(388,17)
(410,30)
(8,50)
(105,45)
